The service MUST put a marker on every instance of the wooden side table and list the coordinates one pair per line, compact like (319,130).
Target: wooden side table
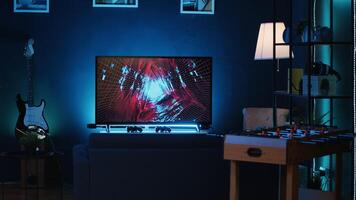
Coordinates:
(285,153)
(38,156)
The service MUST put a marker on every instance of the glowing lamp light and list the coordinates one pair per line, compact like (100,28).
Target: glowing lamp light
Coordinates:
(264,47)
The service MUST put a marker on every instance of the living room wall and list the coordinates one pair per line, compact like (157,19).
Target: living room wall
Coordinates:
(73,33)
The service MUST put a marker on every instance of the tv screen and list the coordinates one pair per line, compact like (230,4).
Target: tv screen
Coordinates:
(153,90)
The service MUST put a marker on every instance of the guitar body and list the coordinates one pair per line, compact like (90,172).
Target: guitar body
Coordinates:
(34,116)
(29,116)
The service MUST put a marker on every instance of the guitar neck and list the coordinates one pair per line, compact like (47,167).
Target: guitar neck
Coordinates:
(29,81)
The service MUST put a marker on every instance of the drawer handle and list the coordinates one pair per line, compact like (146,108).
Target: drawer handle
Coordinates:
(254,152)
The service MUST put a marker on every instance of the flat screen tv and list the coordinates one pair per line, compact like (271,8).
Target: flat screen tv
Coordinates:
(136,90)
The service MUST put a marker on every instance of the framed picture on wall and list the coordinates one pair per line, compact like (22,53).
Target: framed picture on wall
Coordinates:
(116,3)
(197,6)
(31,6)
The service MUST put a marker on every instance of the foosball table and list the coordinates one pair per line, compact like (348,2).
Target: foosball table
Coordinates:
(288,147)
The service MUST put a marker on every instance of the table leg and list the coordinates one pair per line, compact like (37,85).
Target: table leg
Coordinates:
(3,188)
(282,182)
(59,161)
(338,176)
(292,188)
(234,186)
(38,179)
(26,176)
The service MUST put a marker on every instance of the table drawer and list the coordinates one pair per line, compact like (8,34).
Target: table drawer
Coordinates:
(255,149)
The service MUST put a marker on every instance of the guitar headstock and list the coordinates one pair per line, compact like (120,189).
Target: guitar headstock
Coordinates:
(29,51)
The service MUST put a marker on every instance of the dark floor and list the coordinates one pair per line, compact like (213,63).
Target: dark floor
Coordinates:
(13,191)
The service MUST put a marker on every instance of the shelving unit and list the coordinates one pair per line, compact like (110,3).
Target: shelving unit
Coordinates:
(310,45)
(314,43)
(311,100)
(286,93)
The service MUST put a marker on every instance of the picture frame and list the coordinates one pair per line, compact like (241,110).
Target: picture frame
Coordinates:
(116,3)
(197,6)
(31,6)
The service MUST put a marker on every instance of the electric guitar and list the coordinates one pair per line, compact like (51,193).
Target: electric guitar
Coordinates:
(30,116)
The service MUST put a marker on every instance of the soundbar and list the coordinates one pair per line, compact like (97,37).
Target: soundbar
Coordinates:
(148,128)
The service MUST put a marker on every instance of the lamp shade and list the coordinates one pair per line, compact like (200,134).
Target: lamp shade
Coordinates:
(264,48)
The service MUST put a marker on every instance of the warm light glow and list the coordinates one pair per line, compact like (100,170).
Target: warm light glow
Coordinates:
(264,48)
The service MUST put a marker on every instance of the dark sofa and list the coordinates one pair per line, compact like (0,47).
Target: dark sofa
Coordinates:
(150,167)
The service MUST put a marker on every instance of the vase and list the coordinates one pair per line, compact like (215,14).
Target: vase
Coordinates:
(286,35)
